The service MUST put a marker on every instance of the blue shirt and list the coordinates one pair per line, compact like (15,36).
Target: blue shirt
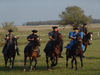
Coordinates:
(73,34)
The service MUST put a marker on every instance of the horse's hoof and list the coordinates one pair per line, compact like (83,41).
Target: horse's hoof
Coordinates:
(71,67)
(34,68)
(49,69)
(24,70)
(10,67)
(82,67)
(66,66)
(30,70)
(76,69)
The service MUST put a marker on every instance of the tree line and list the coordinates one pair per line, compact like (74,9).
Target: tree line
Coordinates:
(52,22)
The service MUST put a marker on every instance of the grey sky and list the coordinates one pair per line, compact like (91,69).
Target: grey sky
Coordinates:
(21,11)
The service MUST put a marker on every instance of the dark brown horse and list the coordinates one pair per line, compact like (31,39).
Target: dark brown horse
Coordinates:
(55,51)
(10,52)
(74,52)
(86,40)
(32,53)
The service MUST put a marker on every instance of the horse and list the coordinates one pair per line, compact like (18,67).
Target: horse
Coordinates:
(11,52)
(86,39)
(74,52)
(54,51)
(32,53)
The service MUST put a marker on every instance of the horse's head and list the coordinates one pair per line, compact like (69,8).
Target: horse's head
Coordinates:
(78,40)
(36,40)
(89,36)
(14,41)
(59,37)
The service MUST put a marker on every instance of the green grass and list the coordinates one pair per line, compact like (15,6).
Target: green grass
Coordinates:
(91,62)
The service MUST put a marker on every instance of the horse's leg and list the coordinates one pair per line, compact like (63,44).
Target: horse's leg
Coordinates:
(81,59)
(35,64)
(72,61)
(66,61)
(47,62)
(52,58)
(52,61)
(10,62)
(31,67)
(13,62)
(6,59)
(85,48)
(75,62)
(57,60)
(25,57)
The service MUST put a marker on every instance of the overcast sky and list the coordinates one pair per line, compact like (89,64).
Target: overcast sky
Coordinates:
(21,11)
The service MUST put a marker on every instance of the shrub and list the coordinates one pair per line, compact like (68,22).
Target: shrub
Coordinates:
(9,25)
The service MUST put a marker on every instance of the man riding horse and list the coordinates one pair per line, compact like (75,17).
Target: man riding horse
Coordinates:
(9,38)
(30,38)
(84,29)
(72,36)
(53,37)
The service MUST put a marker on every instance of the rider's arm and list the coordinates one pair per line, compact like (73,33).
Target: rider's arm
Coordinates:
(71,35)
(50,37)
(29,38)
(7,38)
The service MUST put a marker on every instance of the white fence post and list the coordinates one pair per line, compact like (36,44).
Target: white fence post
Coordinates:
(98,34)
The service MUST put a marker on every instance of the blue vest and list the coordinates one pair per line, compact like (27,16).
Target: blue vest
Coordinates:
(73,34)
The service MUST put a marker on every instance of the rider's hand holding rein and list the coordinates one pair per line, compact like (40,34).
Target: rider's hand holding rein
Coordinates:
(72,38)
(50,37)
(30,39)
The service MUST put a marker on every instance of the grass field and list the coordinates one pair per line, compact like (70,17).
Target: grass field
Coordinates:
(91,61)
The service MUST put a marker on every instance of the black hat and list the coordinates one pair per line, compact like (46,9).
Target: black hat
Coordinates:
(34,31)
(10,30)
(75,29)
(54,27)
(84,24)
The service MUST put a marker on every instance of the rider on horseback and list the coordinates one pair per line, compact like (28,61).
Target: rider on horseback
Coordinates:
(72,36)
(30,38)
(8,39)
(84,29)
(53,37)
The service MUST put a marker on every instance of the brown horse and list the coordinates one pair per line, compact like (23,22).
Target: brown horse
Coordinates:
(32,53)
(86,40)
(74,52)
(10,52)
(54,52)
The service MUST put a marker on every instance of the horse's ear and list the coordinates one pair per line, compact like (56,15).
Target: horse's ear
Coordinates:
(18,37)
(90,32)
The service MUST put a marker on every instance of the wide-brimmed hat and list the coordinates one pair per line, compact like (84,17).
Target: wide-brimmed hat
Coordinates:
(10,30)
(75,28)
(84,24)
(54,27)
(34,31)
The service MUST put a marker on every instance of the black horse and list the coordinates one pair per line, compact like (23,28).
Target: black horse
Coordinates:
(10,51)
(32,52)
(74,52)
(53,51)
(86,40)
